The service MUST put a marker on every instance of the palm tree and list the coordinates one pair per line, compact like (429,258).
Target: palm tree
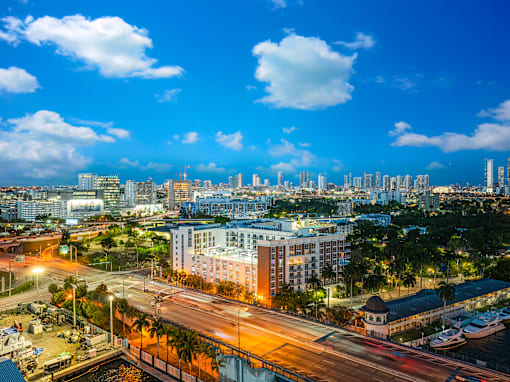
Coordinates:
(190,347)
(448,257)
(327,273)
(408,278)
(447,293)
(176,342)
(141,322)
(157,328)
(122,307)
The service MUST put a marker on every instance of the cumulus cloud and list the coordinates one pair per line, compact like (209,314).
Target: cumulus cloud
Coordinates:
(298,157)
(278,4)
(304,144)
(210,168)
(150,166)
(16,80)
(362,40)
(232,141)
(282,166)
(44,145)
(487,136)
(500,113)
(435,165)
(169,95)
(119,133)
(303,73)
(337,165)
(108,126)
(190,137)
(114,47)
(400,128)
(289,130)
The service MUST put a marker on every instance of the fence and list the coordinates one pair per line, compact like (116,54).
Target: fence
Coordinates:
(162,366)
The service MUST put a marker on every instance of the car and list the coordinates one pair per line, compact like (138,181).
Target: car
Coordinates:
(469,379)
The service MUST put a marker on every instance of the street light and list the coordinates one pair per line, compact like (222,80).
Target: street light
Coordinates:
(37,271)
(239,327)
(111,318)
(74,305)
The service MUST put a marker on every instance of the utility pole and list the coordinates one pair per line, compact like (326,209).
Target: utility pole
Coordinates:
(74,306)
(111,318)
(10,277)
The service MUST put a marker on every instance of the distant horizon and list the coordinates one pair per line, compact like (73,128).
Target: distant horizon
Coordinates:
(252,87)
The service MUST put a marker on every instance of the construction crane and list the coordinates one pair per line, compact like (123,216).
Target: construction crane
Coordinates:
(185,173)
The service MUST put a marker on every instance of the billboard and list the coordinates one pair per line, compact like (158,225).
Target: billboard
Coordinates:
(63,250)
(77,208)
(71,221)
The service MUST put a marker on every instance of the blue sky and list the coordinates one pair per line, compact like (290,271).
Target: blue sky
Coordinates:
(252,86)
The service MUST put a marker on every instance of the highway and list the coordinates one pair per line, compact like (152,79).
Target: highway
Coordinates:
(320,352)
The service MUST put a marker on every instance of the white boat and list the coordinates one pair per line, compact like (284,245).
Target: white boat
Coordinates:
(484,325)
(504,315)
(448,339)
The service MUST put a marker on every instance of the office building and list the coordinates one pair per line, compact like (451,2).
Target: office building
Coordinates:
(110,185)
(232,182)
(279,179)
(35,210)
(501,176)
(86,181)
(322,183)
(429,202)
(386,185)
(378,179)
(207,184)
(234,208)
(130,193)
(179,191)
(146,192)
(304,179)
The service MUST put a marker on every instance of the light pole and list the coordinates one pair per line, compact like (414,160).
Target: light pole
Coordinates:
(239,327)
(74,305)
(111,318)
(37,271)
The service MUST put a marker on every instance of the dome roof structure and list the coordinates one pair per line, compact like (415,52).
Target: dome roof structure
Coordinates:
(375,304)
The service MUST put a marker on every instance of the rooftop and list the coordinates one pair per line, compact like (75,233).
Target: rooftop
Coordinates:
(428,299)
(233,253)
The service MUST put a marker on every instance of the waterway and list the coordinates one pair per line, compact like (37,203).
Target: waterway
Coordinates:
(492,349)
(117,370)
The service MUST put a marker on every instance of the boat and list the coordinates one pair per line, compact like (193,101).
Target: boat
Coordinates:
(484,325)
(504,315)
(448,339)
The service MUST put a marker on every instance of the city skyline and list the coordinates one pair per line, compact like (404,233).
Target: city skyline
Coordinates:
(227,105)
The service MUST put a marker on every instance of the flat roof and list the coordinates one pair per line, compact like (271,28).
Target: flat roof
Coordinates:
(428,299)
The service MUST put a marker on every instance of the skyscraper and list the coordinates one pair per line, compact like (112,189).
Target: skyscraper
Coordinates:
(110,185)
(501,176)
(408,183)
(240,180)
(255,180)
(233,182)
(398,184)
(322,183)
(378,179)
(279,178)
(304,179)
(178,191)
(130,193)
(386,183)
(489,174)
(508,172)
(86,181)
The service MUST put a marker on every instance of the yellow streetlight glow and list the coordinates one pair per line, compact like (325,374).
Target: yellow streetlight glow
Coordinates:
(37,270)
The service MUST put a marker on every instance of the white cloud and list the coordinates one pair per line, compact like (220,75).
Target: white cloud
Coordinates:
(303,73)
(337,165)
(168,95)
(16,80)
(304,144)
(210,168)
(362,40)
(190,137)
(109,44)
(400,128)
(299,158)
(232,141)
(249,88)
(282,166)
(487,136)
(406,83)
(500,113)
(289,130)
(435,165)
(119,133)
(150,166)
(42,145)
(278,4)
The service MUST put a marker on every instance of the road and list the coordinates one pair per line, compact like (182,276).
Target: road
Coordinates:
(312,349)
